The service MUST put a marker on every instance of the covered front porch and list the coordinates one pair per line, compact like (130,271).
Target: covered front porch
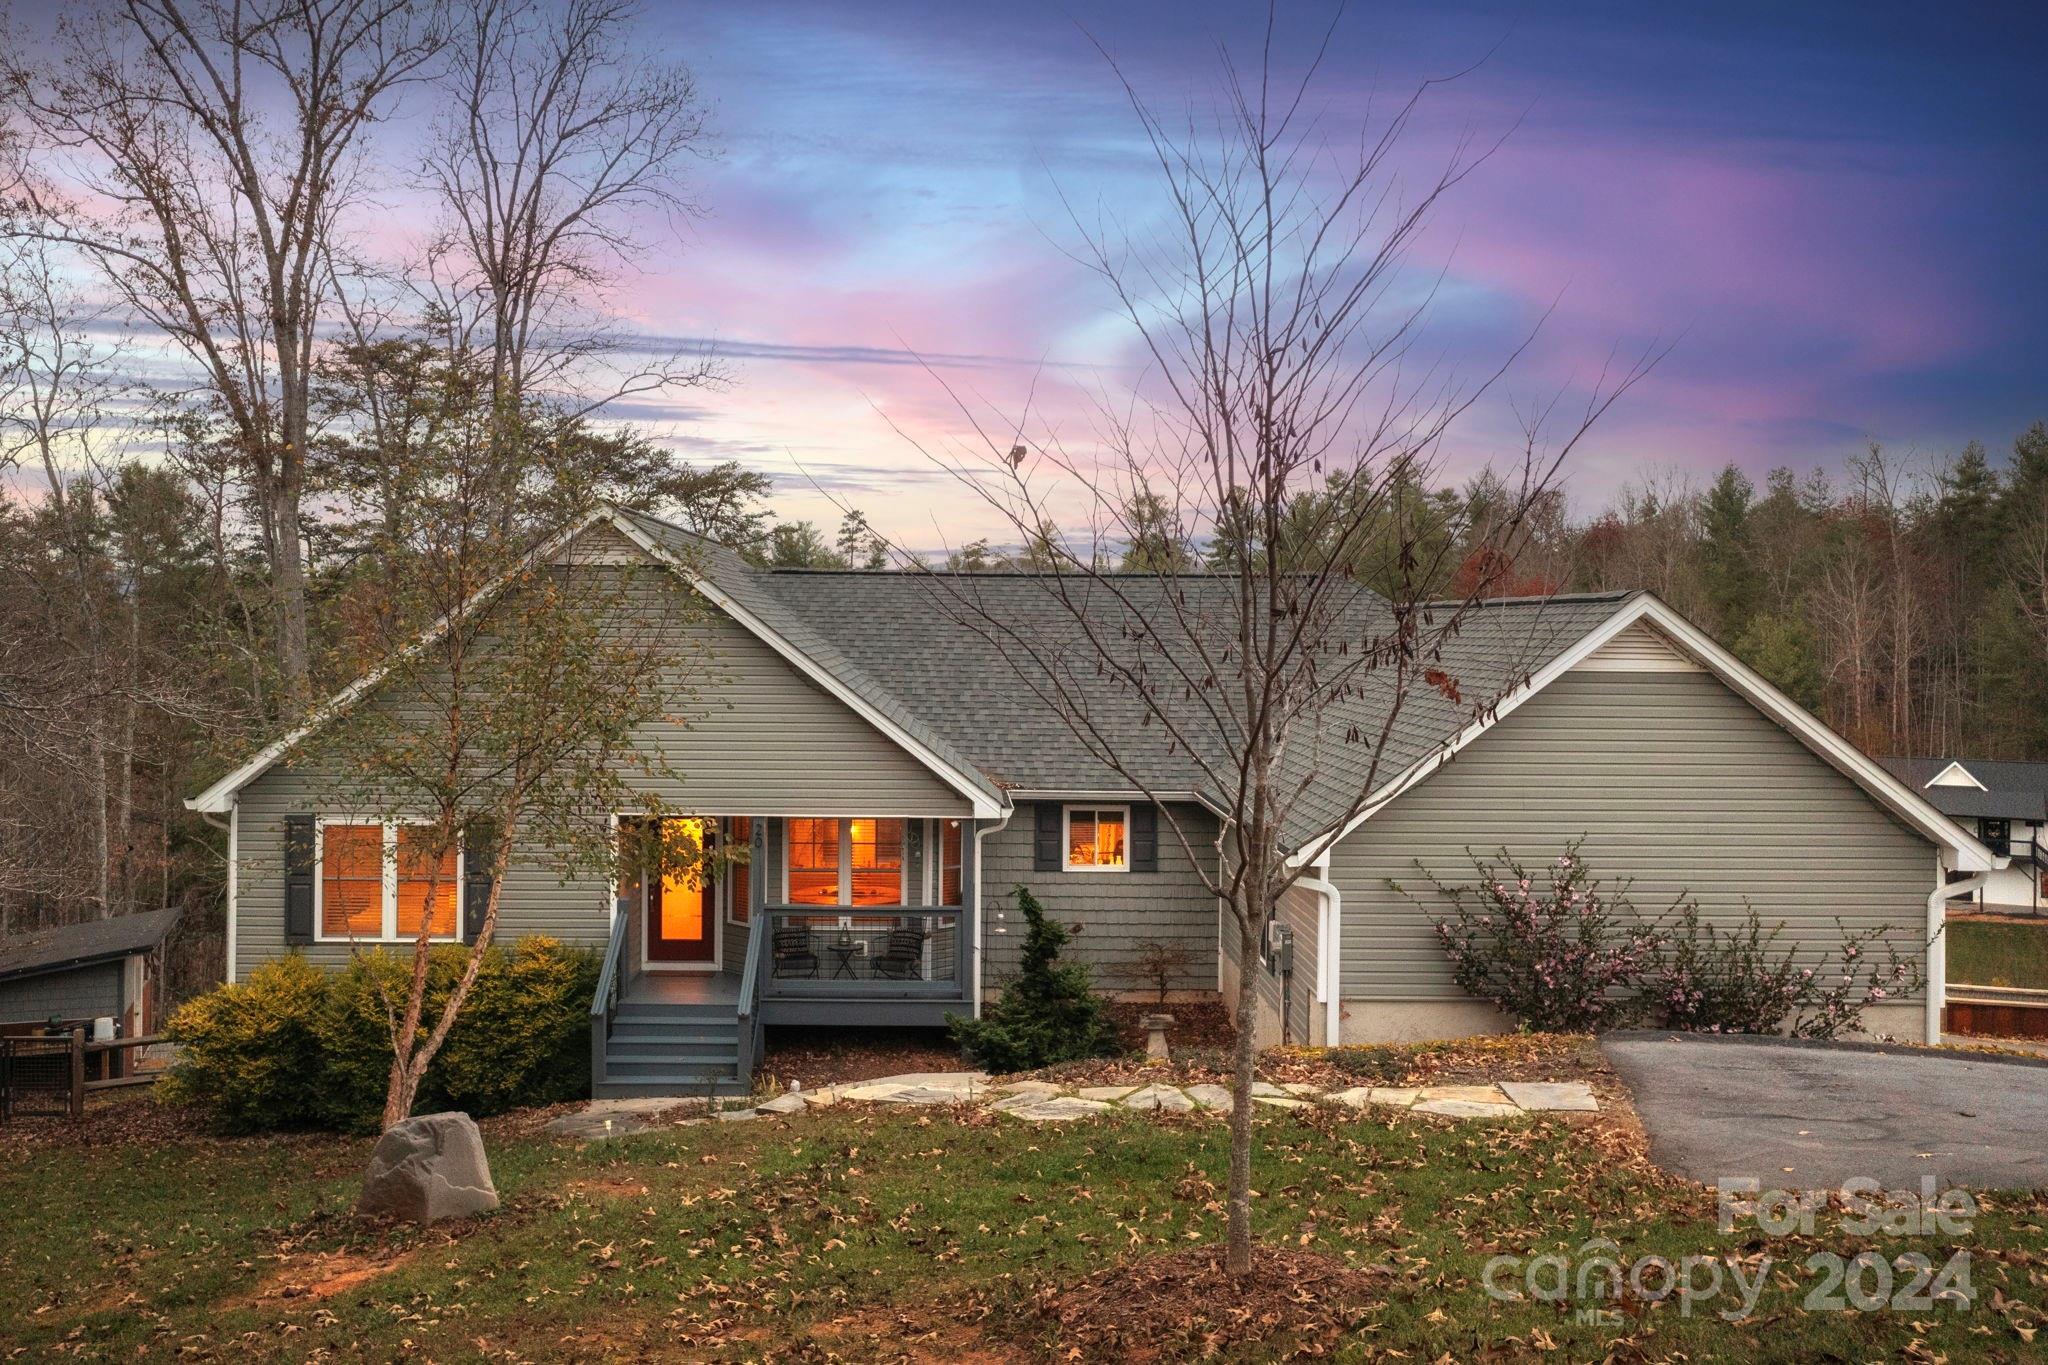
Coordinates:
(807,920)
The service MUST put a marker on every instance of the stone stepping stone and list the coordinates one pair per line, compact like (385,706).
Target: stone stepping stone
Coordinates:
(873,1092)
(588,1127)
(1057,1109)
(1264,1090)
(1212,1097)
(1282,1101)
(1467,1109)
(783,1104)
(930,1094)
(1029,1088)
(1394,1096)
(1357,1097)
(1301,1090)
(1162,1098)
(1469,1093)
(1574,1096)
(1105,1092)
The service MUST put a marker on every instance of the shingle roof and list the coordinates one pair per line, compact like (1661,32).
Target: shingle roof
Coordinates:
(68,945)
(2014,791)
(909,648)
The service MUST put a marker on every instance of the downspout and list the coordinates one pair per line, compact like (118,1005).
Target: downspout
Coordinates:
(1937,943)
(981,832)
(1329,947)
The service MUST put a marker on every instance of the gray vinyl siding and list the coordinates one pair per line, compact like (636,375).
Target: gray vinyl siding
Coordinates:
(1672,779)
(89,992)
(1111,913)
(1301,911)
(757,737)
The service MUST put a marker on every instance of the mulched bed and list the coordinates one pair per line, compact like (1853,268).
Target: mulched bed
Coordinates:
(1186,1304)
(1196,1023)
(121,1119)
(834,1056)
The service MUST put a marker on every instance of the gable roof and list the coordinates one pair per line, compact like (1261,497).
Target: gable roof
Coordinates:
(2006,790)
(724,579)
(883,644)
(76,945)
(1909,805)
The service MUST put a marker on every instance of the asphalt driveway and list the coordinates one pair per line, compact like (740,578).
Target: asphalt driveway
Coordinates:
(1812,1115)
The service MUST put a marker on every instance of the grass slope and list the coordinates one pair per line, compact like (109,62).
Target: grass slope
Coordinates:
(872,1235)
(1984,952)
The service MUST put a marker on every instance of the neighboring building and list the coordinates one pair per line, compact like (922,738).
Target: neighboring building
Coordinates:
(895,780)
(78,973)
(2005,805)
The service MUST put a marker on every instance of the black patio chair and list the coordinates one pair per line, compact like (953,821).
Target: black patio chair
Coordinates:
(902,956)
(793,955)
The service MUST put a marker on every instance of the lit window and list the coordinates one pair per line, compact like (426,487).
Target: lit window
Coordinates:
(877,858)
(418,871)
(845,862)
(380,880)
(949,862)
(739,879)
(1096,839)
(352,881)
(813,861)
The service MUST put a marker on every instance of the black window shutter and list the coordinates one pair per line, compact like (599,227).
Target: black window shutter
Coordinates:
(1145,838)
(479,847)
(1045,846)
(298,879)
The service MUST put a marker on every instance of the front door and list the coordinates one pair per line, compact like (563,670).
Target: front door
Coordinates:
(680,905)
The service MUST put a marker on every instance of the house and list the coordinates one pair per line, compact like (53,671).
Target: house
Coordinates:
(79,973)
(894,780)
(2005,805)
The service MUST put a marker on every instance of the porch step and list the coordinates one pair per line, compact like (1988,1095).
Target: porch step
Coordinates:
(663,1068)
(634,1048)
(677,1086)
(655,1011)
(680,1032)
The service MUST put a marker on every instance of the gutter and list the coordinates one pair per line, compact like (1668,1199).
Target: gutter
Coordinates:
(981,832)
(1329,947)
(1937,944)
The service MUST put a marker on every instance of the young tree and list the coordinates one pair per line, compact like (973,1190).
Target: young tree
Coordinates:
(1268,316)
(510,686)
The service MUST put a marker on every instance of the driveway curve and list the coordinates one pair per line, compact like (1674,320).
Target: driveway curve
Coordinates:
(1809,1115)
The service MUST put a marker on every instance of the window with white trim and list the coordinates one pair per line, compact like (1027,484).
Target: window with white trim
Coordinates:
(844,862)
(372,880)
(1097,838)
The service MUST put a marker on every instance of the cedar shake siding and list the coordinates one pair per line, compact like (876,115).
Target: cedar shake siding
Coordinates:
(759,737)
(1111,912)
(1672,779)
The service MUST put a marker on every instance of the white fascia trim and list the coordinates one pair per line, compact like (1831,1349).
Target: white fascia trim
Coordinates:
(220,796)
(1909,805)
(1968,776)
(234,878)
(984,807)
(1115,796)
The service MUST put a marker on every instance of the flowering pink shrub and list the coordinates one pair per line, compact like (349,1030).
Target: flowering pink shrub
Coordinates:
(1560,954)
(1549,947)
(1711,981)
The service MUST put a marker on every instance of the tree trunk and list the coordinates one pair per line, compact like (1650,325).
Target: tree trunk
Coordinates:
(288,573)
(1237,1256)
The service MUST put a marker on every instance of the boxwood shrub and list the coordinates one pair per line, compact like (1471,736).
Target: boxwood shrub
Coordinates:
(297,1047)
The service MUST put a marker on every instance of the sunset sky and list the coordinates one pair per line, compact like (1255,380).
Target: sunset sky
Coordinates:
(1835,212)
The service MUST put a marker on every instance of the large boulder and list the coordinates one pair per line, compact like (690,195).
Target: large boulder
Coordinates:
(429,1168)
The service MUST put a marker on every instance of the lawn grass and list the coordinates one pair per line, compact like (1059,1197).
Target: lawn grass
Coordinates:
(872,1234)
(1997,953)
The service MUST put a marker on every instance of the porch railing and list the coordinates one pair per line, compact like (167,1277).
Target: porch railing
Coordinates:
(751,1035)
(604,1002)
(862,951)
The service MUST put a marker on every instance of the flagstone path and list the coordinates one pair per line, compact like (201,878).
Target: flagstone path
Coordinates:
(1045,1102)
